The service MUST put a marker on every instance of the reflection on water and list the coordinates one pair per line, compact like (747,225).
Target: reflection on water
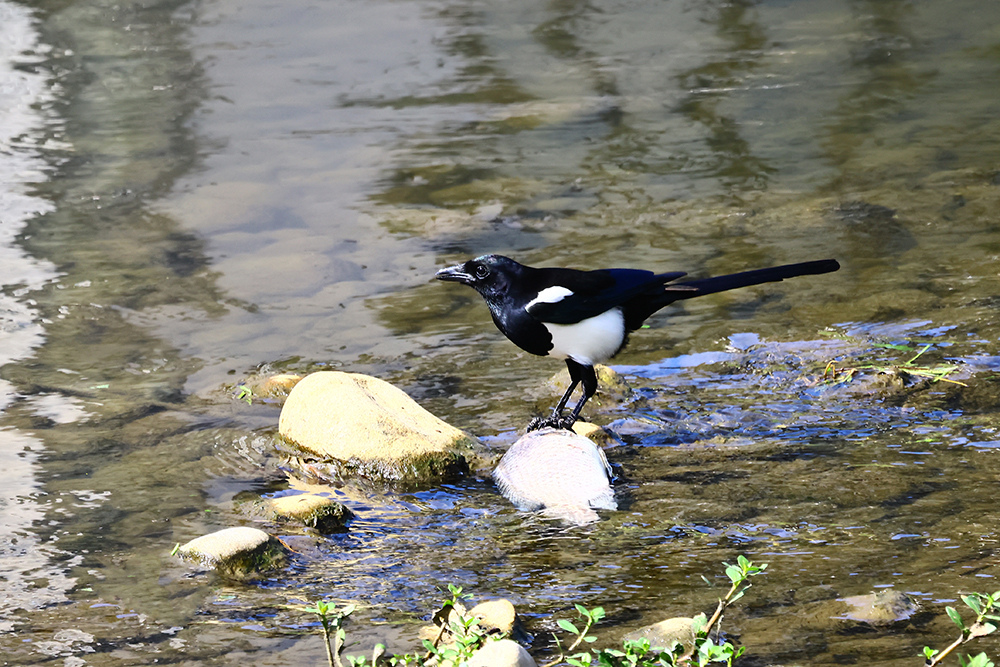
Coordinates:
(227,185)
(30,579)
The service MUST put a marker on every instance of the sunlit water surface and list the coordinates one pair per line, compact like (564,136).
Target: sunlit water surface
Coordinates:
(191,190)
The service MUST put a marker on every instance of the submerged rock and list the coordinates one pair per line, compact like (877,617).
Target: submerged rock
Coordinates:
(362,425)
(881,607)
(661,635)
(557,471)
(240,552)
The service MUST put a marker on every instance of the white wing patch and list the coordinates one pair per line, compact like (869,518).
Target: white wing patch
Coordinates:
(589,341)
(553,294)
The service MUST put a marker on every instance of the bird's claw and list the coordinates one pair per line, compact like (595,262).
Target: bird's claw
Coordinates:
(552,421)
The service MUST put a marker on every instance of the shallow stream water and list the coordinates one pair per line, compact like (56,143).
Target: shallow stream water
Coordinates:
(193,191)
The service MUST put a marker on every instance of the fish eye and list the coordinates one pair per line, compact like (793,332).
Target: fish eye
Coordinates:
(482,271)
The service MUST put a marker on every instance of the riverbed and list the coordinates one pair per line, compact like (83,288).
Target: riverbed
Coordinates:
(193,193)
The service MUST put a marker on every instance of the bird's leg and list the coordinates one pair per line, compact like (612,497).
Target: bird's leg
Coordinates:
(555,420)
(589,378)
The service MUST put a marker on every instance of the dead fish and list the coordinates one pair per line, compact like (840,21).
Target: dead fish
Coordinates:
(559,472)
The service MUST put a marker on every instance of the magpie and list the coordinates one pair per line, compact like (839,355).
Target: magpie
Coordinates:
(585,317)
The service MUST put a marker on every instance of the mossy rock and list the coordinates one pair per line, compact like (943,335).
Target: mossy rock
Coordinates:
(310,509)
(240,552)
(319,512)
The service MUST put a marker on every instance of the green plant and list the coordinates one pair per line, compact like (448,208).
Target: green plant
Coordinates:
(458,638)
(640,653)
(833,374)
(331,620)
(463,633)
(590,617)
(244,393)
(986,608)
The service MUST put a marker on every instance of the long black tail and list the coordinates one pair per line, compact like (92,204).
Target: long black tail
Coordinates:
(638,309)
(773,274)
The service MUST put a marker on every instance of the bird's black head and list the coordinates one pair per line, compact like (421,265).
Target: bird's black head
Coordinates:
(489,275)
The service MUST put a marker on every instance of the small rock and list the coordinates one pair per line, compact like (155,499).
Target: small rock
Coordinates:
(495,615)
(264,387)
(596,434)
(312,510)
(661,635)
(279,385)
(502,653)
(440,631)
(362,425)
(881,607)
(558,471)
(240,552)
(610,384)
(311,505)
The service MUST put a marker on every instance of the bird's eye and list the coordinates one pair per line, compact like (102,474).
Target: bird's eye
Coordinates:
(482,271)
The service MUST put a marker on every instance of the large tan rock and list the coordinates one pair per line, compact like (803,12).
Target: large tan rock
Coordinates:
(558,471)
(366,426)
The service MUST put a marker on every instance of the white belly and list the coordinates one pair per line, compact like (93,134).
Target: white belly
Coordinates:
(589,341)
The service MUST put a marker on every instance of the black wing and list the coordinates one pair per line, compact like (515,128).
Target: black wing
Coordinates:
(577,295)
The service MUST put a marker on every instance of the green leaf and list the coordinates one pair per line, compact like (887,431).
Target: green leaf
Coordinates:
(973,603)
(734,573)
(955,617)
(567,626)
(981,660)
(698,623)
(929,652)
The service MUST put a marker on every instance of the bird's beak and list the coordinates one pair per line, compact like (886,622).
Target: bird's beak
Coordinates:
(455,274)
